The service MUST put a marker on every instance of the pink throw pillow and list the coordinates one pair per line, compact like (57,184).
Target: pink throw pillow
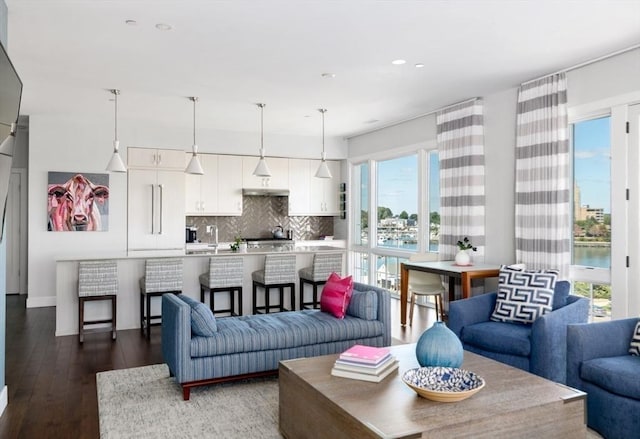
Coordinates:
(336,295)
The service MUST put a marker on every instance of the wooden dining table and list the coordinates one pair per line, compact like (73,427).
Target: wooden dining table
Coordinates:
(462,273)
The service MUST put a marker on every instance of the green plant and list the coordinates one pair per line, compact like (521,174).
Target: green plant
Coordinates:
(465,244)
(236,243)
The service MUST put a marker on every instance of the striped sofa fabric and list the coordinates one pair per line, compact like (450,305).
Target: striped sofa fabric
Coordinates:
(256,344)
(97,278)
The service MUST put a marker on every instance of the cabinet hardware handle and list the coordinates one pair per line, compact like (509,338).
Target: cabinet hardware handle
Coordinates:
(153,208)
(161,186)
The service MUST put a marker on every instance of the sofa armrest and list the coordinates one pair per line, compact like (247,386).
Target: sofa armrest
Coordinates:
(384,308)
(596,340)
(176,336)
(549,339)
(469,311)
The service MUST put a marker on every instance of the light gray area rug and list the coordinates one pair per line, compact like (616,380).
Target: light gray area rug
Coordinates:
(144,402)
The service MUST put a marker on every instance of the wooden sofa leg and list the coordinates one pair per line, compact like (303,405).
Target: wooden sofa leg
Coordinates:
(186,393)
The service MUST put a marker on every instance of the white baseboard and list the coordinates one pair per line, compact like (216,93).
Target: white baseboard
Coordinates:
(4,399)
(41,302)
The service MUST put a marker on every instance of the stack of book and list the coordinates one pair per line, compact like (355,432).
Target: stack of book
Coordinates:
(365,363)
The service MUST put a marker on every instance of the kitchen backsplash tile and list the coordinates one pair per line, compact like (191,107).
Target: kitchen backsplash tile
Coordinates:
(260,215)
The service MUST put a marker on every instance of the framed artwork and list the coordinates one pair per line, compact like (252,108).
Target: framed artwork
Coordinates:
(77,202)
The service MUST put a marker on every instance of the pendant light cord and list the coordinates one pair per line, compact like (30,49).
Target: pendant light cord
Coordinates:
(194,119)
(116,93)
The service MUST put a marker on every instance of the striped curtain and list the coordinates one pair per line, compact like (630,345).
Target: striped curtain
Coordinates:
(543,205)
(460,138)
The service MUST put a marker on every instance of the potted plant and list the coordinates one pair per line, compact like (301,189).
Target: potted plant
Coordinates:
(235,245)
(463,257)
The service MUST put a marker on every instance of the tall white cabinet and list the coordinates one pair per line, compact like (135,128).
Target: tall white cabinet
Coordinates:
(156,199)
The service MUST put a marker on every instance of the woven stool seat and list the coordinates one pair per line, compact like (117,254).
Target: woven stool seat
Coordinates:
(316,275)
(279,272)
(225,275)
(161,276)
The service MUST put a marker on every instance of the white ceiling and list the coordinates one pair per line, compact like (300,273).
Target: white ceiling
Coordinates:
(233,54)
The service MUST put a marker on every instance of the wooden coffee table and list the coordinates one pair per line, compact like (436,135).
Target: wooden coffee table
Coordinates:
(513,403)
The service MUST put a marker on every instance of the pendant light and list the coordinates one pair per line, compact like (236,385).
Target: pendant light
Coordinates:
(323,169)
(262,170)
(194,166)
(116,164)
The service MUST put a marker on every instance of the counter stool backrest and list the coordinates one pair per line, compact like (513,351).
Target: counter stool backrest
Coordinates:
(324,265)
(279,269)
(225,271)
(163,275)
(97,278)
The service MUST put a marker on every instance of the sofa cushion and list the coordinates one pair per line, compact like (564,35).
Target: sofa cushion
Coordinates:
(617,375)
(503,338)
(561,294)
(203,322)
(364,305)
(634,347)
(524,295)
(282,330)
(336,295)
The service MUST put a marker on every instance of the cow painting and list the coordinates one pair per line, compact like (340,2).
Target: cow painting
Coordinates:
(76,203)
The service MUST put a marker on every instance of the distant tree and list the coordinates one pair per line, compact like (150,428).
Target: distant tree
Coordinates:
(384,212)
(413,216)
(434,218)
(364,219)
(607,219)
(403,215)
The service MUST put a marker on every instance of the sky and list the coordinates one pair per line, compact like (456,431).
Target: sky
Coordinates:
(592,162)
(397,187)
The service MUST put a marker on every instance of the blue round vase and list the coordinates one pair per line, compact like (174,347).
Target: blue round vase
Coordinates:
(439,346)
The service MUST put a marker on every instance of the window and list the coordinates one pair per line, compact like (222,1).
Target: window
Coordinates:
(395,207)
(591,252)
(397,203)
(361,204)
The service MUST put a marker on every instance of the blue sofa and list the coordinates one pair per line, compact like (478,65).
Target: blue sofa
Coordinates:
(539,348)
(249,346)
(599,363)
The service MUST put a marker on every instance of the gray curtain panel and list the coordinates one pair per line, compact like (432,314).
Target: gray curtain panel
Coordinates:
(543,197)
(460,138)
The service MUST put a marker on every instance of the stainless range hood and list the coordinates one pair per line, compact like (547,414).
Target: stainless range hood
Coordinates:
(266,192)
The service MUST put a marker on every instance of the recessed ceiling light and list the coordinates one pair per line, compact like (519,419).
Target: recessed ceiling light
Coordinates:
(131,22)
(419,65)
(163,26)
(398,62)
(328,75)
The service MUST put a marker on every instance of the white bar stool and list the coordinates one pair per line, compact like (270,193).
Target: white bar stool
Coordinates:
(161,276)
(279,272)
(323,265)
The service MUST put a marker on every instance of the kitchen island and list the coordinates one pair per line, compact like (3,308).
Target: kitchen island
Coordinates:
(131,269)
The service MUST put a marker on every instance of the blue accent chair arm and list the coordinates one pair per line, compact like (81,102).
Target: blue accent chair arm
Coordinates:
(176,336)
(469,311)
(596,340)
(384,308)
(549,339)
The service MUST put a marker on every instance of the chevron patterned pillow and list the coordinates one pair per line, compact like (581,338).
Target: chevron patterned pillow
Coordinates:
(634,348)
(524,295)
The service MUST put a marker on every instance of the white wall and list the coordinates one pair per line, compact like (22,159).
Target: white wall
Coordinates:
(81,143)
(614,79)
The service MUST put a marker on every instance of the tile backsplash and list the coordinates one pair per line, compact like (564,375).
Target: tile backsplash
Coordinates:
(260,215)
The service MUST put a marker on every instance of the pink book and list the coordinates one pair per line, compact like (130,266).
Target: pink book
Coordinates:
(365,354)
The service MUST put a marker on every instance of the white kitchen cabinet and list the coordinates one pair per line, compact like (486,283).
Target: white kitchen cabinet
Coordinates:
(219,191)
(155,210)
(279,168)
(229,177)
(324,192)
(153,158)
(201,195)
(299,181)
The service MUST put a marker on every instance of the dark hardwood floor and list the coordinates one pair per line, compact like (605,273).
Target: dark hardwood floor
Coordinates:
(51,380)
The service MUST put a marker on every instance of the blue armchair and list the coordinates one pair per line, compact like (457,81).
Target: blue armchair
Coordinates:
(539,348)
(599,363)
